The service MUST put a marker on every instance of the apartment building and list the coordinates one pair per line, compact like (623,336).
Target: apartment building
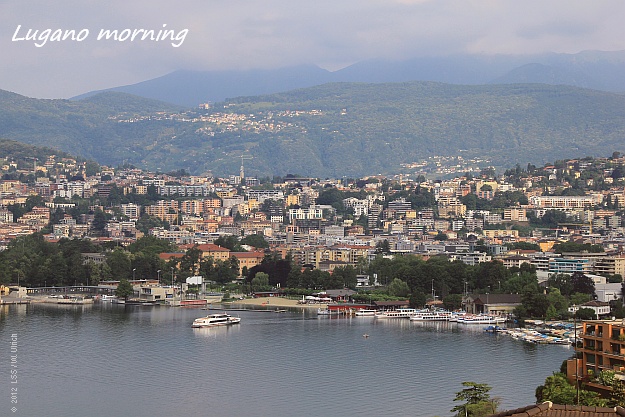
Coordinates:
(602,348)
(564,202)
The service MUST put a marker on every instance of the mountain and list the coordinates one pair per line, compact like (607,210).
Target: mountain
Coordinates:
(589,69)
(83,128)
(331,130)
(190,88)
(25,155)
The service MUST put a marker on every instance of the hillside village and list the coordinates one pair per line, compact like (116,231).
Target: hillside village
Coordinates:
(514,217)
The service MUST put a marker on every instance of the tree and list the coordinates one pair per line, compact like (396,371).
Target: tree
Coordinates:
(229,242)
(345,276)
(119,263)
(260,282)
(124,289)
(398,288)
(582,283)
(99,221)
(256,240)
(558,390)
(558,304)
(477,400)
(551,218)
(452,302)
(383,247)
(585,314)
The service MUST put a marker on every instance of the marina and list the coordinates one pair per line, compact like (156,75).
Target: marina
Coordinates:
(257,368)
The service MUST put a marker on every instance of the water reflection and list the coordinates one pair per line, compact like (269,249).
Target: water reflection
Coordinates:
(149,361)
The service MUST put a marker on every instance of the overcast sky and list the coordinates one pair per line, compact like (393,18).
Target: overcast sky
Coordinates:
(245,34)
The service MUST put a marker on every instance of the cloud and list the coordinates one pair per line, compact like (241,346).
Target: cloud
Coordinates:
(244,34)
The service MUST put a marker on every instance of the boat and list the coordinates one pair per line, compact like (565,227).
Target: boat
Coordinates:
(400,313)
(107,298)
(431,316)
(480,319)
(137,302)
(218,319)
(494,329)
(365,312)
(455,315)
(327,312)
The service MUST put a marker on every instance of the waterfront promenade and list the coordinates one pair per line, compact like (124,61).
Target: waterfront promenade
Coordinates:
(269,302)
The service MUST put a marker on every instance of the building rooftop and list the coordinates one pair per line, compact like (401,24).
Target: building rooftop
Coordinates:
(548,409)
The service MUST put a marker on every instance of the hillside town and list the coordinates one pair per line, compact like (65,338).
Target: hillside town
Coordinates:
(516,217)
(542,243)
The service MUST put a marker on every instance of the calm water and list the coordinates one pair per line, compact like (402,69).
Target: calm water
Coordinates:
(106,360)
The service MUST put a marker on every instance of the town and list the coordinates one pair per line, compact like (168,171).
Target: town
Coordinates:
(529,243)
(515,218)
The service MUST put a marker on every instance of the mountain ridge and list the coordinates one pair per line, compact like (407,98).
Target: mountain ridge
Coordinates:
(592,69)
(335,129)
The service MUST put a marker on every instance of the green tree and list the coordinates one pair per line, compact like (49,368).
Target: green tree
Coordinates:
(586,314)
(260,282)
(477,401)
(345,276)
(119,263)
(99,221)
(383,247)
(398,288)
(256,240)
(124,289)
(582,283)
(558,390)
(452,302)
(557,302)
(229,242)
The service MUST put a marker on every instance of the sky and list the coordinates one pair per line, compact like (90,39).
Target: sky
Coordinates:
(254,34)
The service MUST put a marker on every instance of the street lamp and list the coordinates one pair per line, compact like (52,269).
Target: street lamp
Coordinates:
(575,352)
(159,276)
(133,273)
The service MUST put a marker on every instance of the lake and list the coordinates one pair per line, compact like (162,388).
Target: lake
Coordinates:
(110,360)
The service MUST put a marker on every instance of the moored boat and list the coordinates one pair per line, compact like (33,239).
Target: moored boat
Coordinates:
(365,312)
(400,313)
(431,316)
(480,319)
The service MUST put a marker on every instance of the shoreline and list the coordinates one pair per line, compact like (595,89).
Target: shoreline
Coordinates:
(270,302)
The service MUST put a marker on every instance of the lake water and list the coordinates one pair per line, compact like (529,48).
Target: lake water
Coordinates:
(108,360)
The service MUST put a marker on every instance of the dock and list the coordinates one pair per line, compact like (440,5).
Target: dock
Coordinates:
(13,300)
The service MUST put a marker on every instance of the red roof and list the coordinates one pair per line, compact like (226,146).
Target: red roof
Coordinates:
(209,247)
(167,256)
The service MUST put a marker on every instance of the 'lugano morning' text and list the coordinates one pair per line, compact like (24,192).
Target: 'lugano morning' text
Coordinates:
(42,37)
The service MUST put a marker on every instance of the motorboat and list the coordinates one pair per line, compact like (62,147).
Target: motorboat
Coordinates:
(212,320)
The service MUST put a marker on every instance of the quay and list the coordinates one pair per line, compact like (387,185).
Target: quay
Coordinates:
(13,300)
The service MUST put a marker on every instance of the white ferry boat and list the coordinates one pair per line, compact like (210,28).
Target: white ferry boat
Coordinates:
(400,313)
(431,316)
(219,319)
(480,319)
(365,312)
